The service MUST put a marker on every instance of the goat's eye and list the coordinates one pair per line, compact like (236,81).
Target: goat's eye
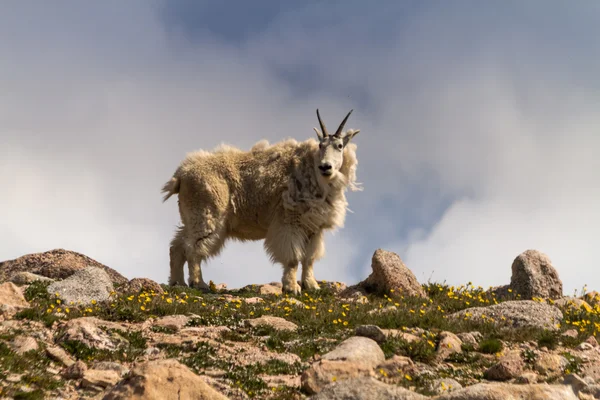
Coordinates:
(340,146)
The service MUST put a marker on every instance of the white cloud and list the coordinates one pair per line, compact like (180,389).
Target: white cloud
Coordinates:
(92,134)
(476,109)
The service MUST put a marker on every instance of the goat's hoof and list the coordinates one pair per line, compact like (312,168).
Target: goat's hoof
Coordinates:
(200,286)
(177,283)
(310,285)
(293,288)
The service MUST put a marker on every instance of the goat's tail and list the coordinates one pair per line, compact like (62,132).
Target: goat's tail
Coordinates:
(170,188)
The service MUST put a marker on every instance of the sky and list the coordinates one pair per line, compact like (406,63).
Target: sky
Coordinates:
(479,127)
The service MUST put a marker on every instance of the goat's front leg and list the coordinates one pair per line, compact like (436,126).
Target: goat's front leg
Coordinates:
(195,271)
(289,282)
(315,249)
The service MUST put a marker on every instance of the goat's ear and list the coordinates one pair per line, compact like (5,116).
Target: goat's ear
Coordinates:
(319,134)
(350,133)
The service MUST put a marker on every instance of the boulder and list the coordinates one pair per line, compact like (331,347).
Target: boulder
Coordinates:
(354,357)
(444,385)
(22,344)
(357,349)
(163,380)
(390,273)
(372,332)
(137,285)
(572,303)
(26,278)
(11,300)
(509,367)
(55,264)
(174,322)
(277,323)
(97,378)
(515,314)
(504,391)
(59,354)
(110,366)
(449,344)
(534,276)
(269,289)
(75,370)
(550,364)
(365,388)
(83,287)
(527,378)
(88,331)
(323,372)
(11,295)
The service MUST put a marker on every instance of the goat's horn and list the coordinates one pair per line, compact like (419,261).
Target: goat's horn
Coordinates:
(339,130)
(323,129)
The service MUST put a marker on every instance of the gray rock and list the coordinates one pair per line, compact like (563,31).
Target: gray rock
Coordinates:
(84,286)
(390,273)
(470,338)
(441,386)
(527,377)
(162,379)
(592,390)
(55,264)
(323,372)
(110,366)
(372,332)
(174,322)
(152,351)
(550,364)
(504,391)
(516,314)
(354,357)
(365,388)
(277,323)
(12,296)
(534,276)
(22,344)
(76,370)
(97,378)
(26,278)
(576,382)
(58,354)
(449,343)
(357,349)
(572,303)
(507,368)
(89,331)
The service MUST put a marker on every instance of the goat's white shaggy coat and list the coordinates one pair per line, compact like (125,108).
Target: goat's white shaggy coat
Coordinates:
(272,192)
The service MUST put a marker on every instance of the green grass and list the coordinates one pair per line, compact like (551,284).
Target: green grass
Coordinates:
(574,363)
(323,321)
(136,344)
(420,350)
(203,356)
(490,346)
(32,365)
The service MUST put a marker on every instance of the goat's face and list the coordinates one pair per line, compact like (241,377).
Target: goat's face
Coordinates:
(331,147)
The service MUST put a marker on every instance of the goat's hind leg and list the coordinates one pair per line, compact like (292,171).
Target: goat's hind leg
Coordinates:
(207,245)
(177,259)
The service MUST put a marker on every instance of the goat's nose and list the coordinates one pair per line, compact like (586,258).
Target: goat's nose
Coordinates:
(325,167)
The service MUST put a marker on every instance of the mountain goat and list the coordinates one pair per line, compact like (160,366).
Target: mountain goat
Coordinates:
(287,193)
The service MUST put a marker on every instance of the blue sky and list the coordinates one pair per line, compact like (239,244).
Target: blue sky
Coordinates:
(478,127)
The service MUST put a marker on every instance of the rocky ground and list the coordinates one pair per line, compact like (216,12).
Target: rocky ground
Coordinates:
(72,328)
